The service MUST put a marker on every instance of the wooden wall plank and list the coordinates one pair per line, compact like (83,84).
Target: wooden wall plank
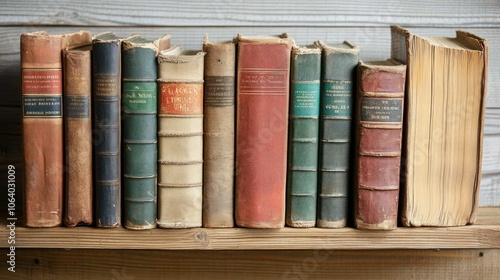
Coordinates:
(251,13)
(490,190)
(374,43)
(307,264)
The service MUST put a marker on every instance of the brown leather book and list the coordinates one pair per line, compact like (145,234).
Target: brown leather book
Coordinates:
(262,130)
(218,132)
(180,138)
(41,66)
(379,125)
(78,136)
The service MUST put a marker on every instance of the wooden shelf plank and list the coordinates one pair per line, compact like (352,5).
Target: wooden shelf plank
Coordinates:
(484,234)
(88,264)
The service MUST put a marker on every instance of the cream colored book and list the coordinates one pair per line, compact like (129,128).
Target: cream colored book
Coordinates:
(443,126)
(180,138)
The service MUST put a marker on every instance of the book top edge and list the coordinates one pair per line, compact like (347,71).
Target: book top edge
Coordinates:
(344,47)
(265,39)
(107,37)
(137,41)
(463,40)
(391,64)
(178,54)
(206,41)
(43,33)
(308,49)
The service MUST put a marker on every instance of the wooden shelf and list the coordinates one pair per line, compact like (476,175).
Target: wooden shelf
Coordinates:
(484,234)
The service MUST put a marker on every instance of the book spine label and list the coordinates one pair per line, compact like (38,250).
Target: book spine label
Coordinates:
(42,106)
(139,137)
(378,146)
(337,99)
(305,98)
(78,137)
(219,91)
(35,81)
(41,85)
(106,64)
(77,107)
(181,98)
(42,93)
(218,131)
(303,140)
(335,137)
(262,130)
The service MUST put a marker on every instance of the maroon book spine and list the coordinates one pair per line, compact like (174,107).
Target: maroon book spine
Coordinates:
(262,126)
(378,131)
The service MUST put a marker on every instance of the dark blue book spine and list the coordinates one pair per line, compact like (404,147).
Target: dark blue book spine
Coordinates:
(106,76)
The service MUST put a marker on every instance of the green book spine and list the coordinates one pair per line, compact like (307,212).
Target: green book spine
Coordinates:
(139,140)
(303,137)
(339,63)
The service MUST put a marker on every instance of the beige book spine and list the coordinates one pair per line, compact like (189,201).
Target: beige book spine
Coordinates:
(218,176)
(180,138)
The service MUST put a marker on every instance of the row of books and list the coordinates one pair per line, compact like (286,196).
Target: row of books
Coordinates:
(255,131)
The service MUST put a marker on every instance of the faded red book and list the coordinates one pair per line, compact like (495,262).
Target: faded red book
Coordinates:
(379,123)
(42,86)
(261,130)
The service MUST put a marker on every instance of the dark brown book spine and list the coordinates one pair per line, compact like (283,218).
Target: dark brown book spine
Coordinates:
(218,133)
(379,116)
(41,67)
(78,136)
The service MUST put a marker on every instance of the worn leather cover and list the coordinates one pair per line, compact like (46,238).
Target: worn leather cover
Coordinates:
(139,130)
(41,65)
(262,128)
(303,137)
(337,95)
(78,136)
(379,125)
(180,138)
(218,134)
(106,76)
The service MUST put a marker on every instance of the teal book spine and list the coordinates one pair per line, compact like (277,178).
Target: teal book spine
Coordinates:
(338,85)
(139,137)
(303,137)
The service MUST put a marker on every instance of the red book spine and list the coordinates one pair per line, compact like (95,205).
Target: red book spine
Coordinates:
(42,122)
(262,128)
(378,135)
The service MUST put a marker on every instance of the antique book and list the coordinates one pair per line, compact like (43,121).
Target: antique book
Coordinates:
(42,122)
(180,138)
(218,134)
(443,126)
(106,82)
(303,136)
(263,73)
(77,66)
(139,129)
(378,131)
(339,63)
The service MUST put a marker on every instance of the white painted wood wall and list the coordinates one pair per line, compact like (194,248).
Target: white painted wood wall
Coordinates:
(365,23)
